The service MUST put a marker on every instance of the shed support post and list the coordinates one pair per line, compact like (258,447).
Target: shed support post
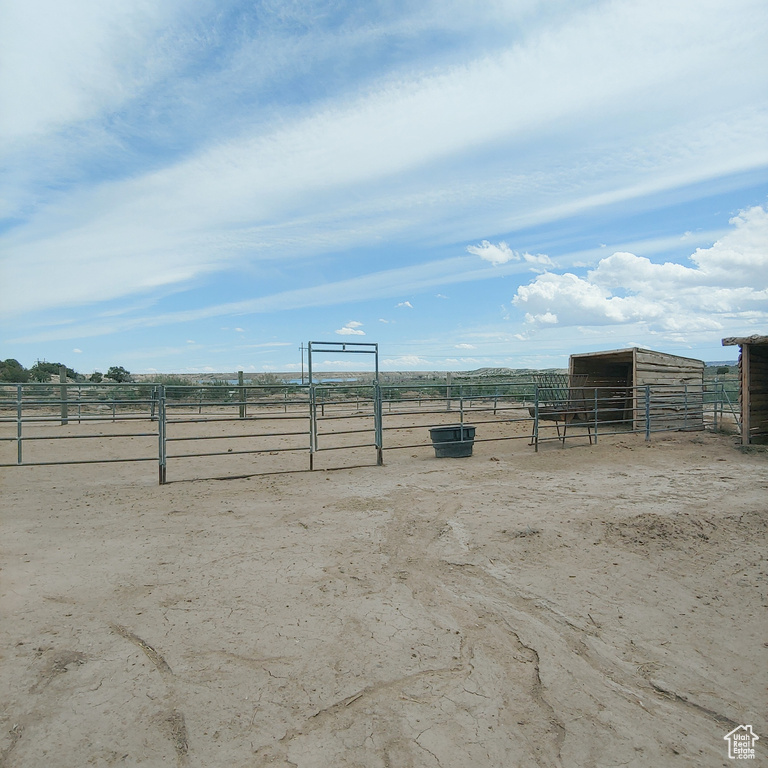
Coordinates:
(746,404)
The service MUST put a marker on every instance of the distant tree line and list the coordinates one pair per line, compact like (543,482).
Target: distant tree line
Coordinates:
(13,371)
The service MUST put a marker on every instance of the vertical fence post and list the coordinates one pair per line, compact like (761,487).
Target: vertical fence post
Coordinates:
(536,417)
(685,406)
(312,424)
(378,421)
(241,392)
(64,405)
(715,398)
(597,404)
(461,409)
(647,413)
(721,403)
(79,399)
(161,434)
(448,378)
(19,411)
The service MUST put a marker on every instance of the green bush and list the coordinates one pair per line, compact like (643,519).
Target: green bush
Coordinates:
(13,371)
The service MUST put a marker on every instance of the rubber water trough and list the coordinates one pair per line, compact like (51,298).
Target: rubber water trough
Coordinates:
(453,441)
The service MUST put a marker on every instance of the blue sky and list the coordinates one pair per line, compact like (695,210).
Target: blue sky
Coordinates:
(205,185)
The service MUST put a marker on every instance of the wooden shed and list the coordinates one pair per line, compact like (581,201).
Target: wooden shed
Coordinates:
(676,386)
(753,392)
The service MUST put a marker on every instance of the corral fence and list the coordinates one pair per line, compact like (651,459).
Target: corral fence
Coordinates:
(88,423)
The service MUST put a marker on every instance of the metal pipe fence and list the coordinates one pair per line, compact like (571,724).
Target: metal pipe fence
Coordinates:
(200,422)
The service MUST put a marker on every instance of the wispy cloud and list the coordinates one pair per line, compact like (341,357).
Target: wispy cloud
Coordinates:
(173,224)
(171,163)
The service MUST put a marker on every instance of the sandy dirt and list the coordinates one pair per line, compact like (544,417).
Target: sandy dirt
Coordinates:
(580,606)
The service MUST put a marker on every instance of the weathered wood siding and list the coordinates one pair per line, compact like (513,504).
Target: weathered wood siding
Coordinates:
(658,368)
(677,392)
(676,397)
(755,393)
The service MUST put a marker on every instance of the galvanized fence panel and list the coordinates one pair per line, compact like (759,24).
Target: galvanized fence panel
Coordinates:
(235,427)
(32,417)
(252,420)
(409,411)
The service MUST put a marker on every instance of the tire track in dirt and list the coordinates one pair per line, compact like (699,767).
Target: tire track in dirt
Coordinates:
(441,548)
(172,720)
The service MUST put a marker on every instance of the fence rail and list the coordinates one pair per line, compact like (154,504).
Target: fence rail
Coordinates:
(310,419)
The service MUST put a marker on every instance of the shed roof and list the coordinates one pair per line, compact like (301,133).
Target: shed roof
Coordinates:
(731,340)
(628,351)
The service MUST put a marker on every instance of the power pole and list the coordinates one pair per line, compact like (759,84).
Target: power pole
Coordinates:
(302,348)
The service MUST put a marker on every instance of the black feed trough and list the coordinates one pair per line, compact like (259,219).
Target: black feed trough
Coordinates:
(453,441)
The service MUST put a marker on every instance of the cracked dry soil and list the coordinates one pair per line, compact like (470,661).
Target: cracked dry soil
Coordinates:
(586,606)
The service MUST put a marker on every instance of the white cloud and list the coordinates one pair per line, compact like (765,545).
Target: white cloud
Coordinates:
(77,351)
(464,346)
(351,329)
(502,253)
(538,259)
(726,281)
(496,254)
(405,304)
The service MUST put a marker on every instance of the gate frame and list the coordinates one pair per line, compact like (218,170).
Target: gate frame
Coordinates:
(369,348)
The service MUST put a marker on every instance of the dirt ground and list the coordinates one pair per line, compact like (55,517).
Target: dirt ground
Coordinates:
(580,606)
